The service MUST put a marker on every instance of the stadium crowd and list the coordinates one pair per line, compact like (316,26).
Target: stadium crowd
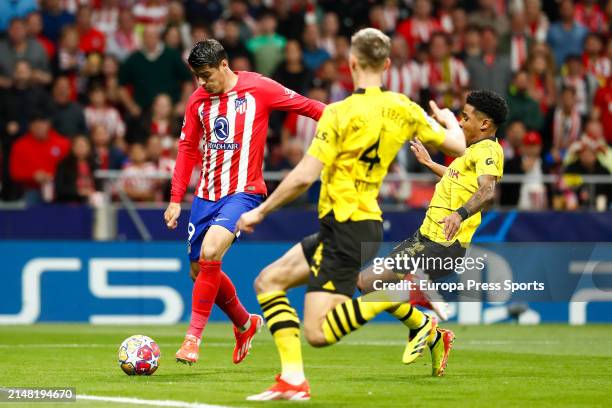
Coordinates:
(102,84)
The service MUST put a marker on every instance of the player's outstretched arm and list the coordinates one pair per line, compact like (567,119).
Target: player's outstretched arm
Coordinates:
(295,184)
(454,142)
(424,158)
(479,200)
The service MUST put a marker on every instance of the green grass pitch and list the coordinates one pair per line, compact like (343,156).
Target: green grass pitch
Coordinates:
(490,366)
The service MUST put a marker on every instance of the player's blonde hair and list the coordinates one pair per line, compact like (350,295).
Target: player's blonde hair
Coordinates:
(371,47)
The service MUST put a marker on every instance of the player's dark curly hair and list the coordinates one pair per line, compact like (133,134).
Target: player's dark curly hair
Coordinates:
(208,52)
(490,103)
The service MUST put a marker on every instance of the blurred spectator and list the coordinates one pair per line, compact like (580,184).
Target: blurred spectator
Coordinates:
(172,38)
(602,108)
(151,12)
(585,84)
(330,28)
(513,139)
(74,178)
(18,101)
(124,40)
(489,70)
(67,115)
(292,73)
(472,46)
(69,58)
(594,59)
(531,193)
(298,131)
(150,71)
(34,158)
(329,75)
(537,21)
(445,15)
(488,15)
(444,76)
(136,177)
(98,112)
(106,155)
(34,27)
(589,14)
(404,75)
(587,164)
(517,42)
(203,11)
(231,42)
(566,37)
(110,79)
(23,97)
(459,33)
(176,18)
(341,62)
(522,106)
(418,28)
(542,87)
(90,39)
(267,46)
(15,9)
(239,11)
(105,18)
(162,122)
(593,135)
(565,125)
(19,47)
(314,54)
(55,17)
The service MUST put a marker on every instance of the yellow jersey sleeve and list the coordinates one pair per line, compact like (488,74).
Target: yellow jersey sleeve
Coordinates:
(426,128)
(488,159)
(324,146)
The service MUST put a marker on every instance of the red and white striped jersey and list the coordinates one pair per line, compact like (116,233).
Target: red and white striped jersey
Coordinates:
(233,127)
(404,79)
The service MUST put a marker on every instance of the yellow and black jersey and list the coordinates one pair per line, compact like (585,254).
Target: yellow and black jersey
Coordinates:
(356,140)
(458,185)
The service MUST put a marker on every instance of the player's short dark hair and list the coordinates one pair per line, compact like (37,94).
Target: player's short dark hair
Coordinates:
(490,103)
(208,52)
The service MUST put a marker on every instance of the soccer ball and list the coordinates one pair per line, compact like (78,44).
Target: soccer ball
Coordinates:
(139,355)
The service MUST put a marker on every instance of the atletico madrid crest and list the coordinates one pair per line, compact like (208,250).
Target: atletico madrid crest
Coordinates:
(241,105)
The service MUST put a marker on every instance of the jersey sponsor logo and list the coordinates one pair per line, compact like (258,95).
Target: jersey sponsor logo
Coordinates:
(240,105)
(221,128)
(223,146)
(289,92)
(453,173)
(489,161)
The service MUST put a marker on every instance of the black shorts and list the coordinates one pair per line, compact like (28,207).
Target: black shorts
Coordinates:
(335,253)
(435,255)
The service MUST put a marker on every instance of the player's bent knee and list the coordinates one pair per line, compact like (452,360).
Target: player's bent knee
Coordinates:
(212,251)
(270,279)
(314,336)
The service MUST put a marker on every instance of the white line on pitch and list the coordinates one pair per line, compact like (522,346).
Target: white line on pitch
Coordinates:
(155,403)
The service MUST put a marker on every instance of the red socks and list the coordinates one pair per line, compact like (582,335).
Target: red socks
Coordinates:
(203,297)
(228,301)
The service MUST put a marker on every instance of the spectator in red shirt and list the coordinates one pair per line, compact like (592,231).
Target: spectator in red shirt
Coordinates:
(589,14)
(35,156)
(91,40)
(418,28)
